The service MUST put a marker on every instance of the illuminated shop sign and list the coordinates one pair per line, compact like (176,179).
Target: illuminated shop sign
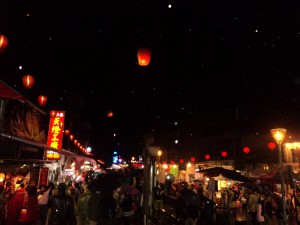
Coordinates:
(55,134)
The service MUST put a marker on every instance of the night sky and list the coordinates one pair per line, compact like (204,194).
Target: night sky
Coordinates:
(208,58)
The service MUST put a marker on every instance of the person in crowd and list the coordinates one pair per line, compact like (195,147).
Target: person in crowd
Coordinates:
(42,200)
(157,200)
(14,206)
(278,208)
(267,209)
(61,208)
(82,207)
(260,213)
(252,206)
(32,214)
(4,197)
(126,206)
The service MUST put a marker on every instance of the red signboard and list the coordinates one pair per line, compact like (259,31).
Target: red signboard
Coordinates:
(43,176)
(55,134)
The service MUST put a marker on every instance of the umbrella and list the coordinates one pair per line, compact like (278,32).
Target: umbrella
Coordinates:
(126,189)
(229,174)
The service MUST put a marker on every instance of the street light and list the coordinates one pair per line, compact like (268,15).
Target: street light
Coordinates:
(279,134)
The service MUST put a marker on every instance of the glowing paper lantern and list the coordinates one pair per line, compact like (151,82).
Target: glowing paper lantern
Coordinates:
(224,154)
(3,43)
(207,156)
(28,81)
(193,159)
(144,56)
(246,150)
(271,145)
(181,160)
(172,162)
(109,114)
(42,100)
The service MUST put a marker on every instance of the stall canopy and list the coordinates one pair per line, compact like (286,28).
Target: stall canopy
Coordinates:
(274,176)
(225,173)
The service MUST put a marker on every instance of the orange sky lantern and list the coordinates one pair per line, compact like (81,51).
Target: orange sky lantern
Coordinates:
(224,154)
(246,150)
(3,43)
(109,114)
(28,81)
(42,100)
(207,156)
(144,56)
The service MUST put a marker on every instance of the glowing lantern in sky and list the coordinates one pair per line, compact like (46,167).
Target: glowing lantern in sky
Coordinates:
(207,156)
(3,43)
(224,154)
(193,159)
(28,81)
(246,150)
(144,56)
(109,114)
(42,100)
(67,132)
(271,145)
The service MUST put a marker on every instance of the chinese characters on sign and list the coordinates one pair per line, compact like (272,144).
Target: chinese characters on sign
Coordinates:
(55,134)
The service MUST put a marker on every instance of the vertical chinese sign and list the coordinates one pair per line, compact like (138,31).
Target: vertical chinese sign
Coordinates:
(43,176)
(55,134)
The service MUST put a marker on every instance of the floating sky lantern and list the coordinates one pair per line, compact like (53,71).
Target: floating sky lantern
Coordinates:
(42,100)
(246,150)
(271,145)
(144,56)
(207,156)
(28,81)
(224,154)
(3,43)
(110,114)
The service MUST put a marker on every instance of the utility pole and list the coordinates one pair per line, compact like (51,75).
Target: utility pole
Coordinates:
(149,139)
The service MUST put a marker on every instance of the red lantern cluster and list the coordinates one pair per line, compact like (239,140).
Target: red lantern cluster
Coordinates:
(28,81)
(3,43)
(144,56)
(246,150)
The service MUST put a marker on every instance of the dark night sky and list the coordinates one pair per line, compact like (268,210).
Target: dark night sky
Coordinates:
(207,57)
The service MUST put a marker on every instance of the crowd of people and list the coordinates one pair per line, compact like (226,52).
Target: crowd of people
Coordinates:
(97,201)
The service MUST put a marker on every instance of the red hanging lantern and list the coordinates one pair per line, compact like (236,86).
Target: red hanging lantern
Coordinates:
(207,156)
(42,100)
(271,145)
(3,43)
(172,162)
(246,150)
(67,132)
(224,154)
(28,81)
(193,159)
(181,160)
(144,56)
